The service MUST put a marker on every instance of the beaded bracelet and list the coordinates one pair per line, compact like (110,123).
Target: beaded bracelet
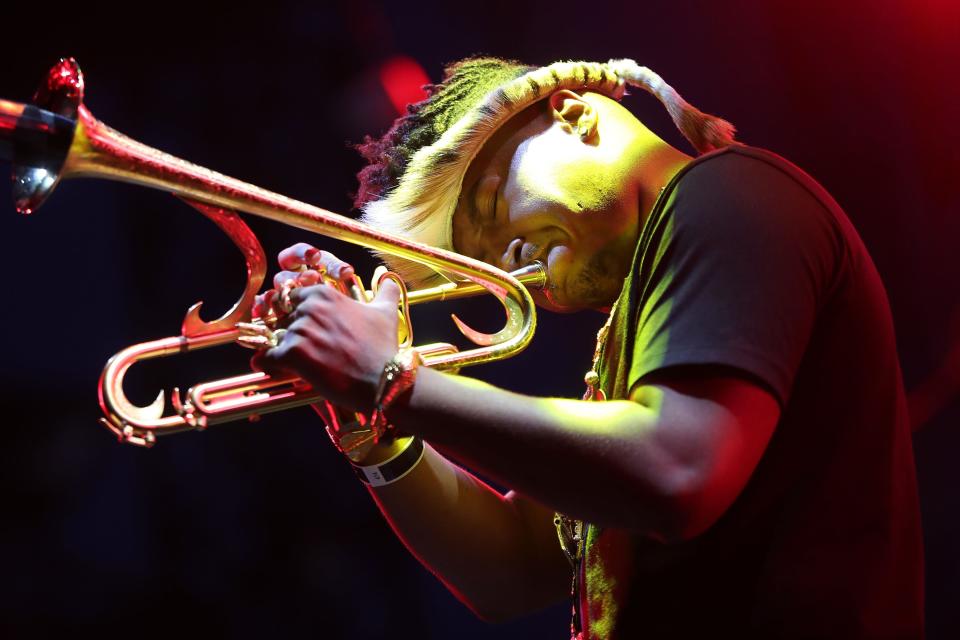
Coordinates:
(398,376)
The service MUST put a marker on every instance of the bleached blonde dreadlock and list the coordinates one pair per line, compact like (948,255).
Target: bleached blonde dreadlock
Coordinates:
(416,170)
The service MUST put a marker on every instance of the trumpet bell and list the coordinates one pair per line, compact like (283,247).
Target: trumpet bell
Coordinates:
(45,130)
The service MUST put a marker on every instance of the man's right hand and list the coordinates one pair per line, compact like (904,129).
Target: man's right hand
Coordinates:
(497,553)
(304,265)
(301,266)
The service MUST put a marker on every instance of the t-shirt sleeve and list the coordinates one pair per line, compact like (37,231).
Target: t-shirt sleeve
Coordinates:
(740,261)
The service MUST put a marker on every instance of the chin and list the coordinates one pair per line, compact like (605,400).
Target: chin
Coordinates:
(576,285)
(558,303)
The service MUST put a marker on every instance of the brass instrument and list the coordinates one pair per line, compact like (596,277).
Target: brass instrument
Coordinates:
(56,137)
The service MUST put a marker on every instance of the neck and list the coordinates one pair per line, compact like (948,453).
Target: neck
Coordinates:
(653,164)
(656,166)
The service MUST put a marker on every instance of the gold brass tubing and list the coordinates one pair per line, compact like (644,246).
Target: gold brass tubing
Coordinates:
(99,151)
(249,395)
(532,277)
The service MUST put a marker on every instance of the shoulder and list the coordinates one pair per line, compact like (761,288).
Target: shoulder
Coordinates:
(744,194)
(740,161)
(750,177)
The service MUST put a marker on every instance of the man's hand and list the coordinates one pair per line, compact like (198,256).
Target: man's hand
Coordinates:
(335,343)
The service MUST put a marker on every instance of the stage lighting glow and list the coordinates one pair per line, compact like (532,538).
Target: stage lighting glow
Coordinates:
(403,79)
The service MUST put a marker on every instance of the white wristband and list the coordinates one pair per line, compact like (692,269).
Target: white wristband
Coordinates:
(379,475)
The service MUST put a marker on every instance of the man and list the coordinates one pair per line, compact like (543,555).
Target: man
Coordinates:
(751,471)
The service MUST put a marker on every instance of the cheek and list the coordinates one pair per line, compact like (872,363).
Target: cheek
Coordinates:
(551,172)
(560,263)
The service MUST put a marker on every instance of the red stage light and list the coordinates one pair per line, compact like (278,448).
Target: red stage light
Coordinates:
(403,78)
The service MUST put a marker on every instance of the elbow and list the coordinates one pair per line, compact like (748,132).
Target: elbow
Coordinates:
(494,616)
(504,605)
(519,595)
(686,526)
(496,612)
(689,506)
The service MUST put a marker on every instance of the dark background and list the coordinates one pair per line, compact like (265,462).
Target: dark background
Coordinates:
(261,529)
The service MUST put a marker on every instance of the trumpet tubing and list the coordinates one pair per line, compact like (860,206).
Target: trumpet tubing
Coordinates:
(57,137)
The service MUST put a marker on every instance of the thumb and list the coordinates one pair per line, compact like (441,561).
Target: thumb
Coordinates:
(272,361)
(388,294)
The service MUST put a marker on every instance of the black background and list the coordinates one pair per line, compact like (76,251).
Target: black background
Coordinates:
(261,529)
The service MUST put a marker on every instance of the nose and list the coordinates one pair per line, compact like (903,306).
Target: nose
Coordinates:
(516,242)
(523,251)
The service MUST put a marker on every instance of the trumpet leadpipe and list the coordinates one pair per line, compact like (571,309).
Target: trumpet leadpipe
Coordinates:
(532,276)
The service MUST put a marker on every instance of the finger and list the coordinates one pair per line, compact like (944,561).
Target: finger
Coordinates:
(268,298)
(309,278)
(273,361)
(303,254)
(282,277)
(258,306)
(272,302)
(388,294)
(300,254)
(340,270)
(300,294)
(305,278)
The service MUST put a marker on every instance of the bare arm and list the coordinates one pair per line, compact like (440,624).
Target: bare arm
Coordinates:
(498,554)
(666,463)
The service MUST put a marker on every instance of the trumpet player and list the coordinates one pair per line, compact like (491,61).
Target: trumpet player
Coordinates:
(741,462)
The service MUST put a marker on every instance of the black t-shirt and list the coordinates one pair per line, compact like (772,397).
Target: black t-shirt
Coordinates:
(746,263)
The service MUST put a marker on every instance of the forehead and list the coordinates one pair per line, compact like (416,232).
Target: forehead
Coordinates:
(504,140)
(493,158)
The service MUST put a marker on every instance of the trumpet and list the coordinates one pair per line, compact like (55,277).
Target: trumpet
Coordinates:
(56,137)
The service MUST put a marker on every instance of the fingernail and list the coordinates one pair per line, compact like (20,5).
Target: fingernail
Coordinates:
(308,278)
(253,342)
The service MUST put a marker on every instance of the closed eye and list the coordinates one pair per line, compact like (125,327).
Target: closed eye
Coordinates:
(486,199)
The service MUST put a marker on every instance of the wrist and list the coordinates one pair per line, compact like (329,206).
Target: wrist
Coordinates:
(380,452)
(403,458)
(369,438)
(396,381)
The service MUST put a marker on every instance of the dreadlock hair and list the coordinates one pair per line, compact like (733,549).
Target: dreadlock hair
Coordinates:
(412,183)
(465,84)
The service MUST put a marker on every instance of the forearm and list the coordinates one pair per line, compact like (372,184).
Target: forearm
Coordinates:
(485,547)
(563,453)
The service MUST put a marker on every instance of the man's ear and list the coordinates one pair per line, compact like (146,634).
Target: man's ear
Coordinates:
(574,114)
